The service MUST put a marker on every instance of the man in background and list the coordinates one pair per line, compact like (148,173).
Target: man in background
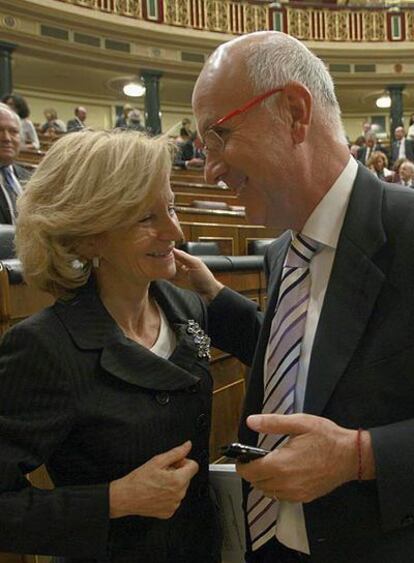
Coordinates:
(406,173)
(12,176)
(78,122)
(332,359)
(401,147)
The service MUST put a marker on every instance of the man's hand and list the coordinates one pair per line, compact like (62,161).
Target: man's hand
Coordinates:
(156,488)
(193,273)
(319,457)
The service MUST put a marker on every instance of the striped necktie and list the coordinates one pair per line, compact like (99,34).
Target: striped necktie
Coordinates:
(283,353)
(11,188)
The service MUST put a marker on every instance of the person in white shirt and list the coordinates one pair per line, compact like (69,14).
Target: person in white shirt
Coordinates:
(406,173)
(12,176)
(340,485)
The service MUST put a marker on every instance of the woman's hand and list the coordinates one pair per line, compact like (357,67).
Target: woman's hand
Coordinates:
(156,488)
(193,273)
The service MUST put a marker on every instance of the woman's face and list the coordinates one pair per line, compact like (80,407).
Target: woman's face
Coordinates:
(143,252)
(379,164)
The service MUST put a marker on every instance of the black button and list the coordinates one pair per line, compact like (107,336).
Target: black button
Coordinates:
(162,398)
(203,458)
(192,389)
(201,421)
(202,490)
(408,520)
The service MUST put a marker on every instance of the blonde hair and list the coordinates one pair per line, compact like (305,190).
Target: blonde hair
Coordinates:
(374,158)
(88,183)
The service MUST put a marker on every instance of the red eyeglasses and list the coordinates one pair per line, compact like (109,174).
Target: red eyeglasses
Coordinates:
(212,140)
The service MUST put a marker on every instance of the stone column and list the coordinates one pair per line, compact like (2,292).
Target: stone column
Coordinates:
(397,107)
(6,82)
(151,79)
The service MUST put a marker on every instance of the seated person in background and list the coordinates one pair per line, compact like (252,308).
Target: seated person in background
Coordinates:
(407,174)
(121,120)
(18,104)
(134,121)
(378,165)
(371,145)
(187,155)
(12,176)
(52,125)
(108,386)
(394,177)
(78,122)
(410,132)
(401,147)
(353,149)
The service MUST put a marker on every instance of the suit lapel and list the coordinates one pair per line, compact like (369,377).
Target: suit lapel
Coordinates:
(92,328)
(352,291)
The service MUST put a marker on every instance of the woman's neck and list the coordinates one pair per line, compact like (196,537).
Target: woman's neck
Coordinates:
(133,310)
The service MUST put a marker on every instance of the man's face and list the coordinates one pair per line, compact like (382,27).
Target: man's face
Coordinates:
(9,137)
(370,142)
(399,133)
(406,171)
(81,114)
(257,148)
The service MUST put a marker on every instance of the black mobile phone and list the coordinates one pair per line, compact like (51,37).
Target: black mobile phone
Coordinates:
(243,453)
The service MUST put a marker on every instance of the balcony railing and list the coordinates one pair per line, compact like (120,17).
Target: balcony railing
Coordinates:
(306,22)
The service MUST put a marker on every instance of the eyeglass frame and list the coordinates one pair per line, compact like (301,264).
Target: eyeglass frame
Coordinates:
(238,111)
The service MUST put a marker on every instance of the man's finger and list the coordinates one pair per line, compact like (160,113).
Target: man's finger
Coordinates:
(281,423)
(186,259)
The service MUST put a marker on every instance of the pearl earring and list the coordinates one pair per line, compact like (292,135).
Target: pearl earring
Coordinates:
(95,261)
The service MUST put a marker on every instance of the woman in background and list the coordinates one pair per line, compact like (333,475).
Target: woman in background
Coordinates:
(52,125)
(110,387)
(18,104)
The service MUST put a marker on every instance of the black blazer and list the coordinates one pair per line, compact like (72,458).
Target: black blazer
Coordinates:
(79,396)
(395,149)
(361,372)
(23,175)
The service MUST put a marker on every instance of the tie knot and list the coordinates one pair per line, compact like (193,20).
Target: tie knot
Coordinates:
(301,251)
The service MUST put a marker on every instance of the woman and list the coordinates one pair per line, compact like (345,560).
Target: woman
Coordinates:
(18,104)
(378,163)
(110,386)
(52,126)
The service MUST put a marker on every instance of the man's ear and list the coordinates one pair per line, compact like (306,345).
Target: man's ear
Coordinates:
(299,102)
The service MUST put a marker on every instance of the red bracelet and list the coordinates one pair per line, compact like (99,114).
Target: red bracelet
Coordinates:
(359,450)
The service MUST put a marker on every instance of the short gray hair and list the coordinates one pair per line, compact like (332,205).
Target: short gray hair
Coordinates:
(279,59)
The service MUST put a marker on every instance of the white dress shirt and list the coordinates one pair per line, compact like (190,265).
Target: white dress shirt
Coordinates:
(324,225)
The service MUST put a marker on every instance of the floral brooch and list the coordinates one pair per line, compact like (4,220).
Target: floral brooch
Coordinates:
(201,340)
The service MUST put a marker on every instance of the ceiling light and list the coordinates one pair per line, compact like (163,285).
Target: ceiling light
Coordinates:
(383,101)
(134,89)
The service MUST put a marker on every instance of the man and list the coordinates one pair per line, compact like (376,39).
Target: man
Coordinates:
(122,119)
(341,488)
(401,147)
(406,174)
(12,176)
(78,122)
(371,146)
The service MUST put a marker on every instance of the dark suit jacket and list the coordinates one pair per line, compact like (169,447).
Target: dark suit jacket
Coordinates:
(362,151)
(395,149)
(78,395)
(361,372)
(74,125)
(23,175)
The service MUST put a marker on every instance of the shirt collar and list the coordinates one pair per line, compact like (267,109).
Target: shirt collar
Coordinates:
(325,222)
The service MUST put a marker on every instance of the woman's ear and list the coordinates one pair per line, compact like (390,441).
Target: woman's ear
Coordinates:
(87,248)
(299,101)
